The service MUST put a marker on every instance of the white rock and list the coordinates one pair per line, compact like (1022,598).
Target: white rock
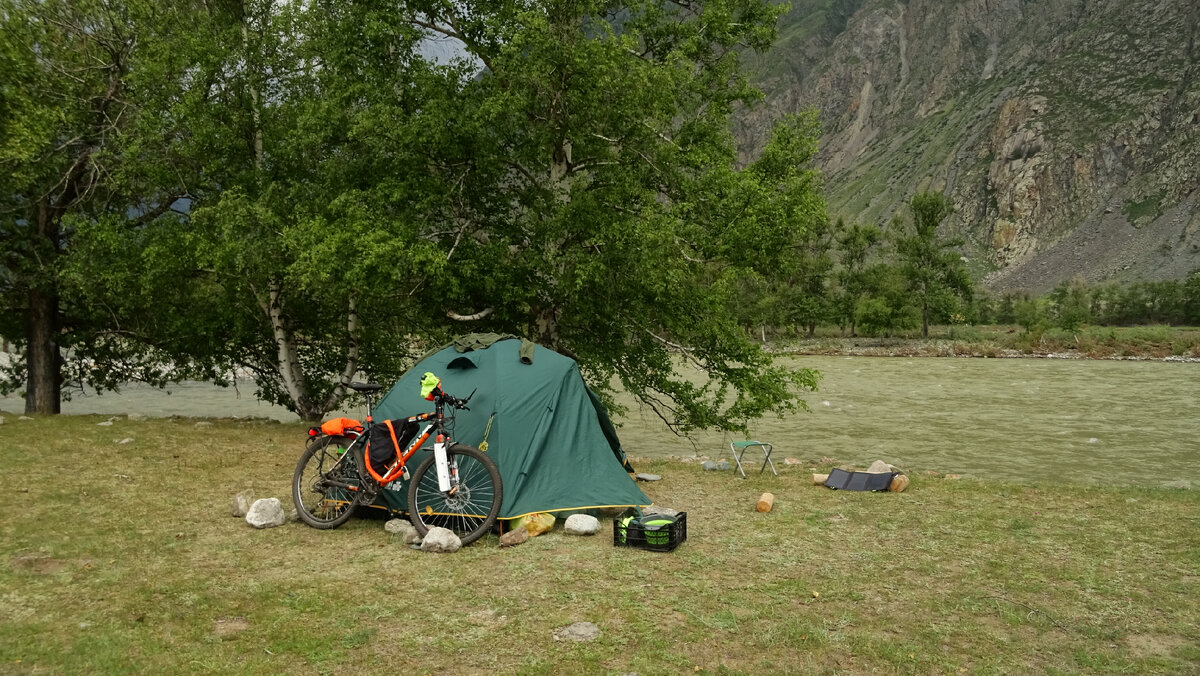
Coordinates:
(441,541)
(581,524)
(580,631)
(647,477)
(403,528)
(106,423)
(126,440)
(266,513)
(242,502)
(136,416)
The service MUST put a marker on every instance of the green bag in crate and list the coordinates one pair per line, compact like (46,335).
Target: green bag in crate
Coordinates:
(656,527)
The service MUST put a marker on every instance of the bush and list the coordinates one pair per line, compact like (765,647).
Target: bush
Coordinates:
(966,333)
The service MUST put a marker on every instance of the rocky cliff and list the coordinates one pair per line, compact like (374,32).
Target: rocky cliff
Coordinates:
(1067,132)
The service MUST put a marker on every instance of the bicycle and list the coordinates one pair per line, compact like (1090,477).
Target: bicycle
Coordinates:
(456,487)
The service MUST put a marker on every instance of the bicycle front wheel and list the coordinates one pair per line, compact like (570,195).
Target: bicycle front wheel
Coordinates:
(469,508)
(321,485)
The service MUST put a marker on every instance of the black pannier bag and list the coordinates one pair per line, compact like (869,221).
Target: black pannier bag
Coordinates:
(381,449)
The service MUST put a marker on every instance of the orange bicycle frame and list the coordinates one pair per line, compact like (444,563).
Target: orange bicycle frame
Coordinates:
(396,469)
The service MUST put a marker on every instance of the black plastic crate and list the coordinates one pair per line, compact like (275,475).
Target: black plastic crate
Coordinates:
(654,538)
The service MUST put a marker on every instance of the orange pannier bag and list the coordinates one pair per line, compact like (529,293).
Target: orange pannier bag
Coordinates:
(339,426)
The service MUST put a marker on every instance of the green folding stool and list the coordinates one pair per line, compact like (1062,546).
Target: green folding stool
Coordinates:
(738,448)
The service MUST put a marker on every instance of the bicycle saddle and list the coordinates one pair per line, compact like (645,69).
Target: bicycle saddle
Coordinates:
(365,387)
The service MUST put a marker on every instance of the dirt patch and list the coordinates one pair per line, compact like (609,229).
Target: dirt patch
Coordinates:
(39,564)
(226,627)
(1153,645)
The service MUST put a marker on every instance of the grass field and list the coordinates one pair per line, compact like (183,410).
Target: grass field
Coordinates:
(123,558)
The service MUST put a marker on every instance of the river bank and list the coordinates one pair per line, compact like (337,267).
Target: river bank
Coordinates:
(1134,343)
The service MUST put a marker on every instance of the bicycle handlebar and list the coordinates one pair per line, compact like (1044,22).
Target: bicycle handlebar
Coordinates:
(452,400)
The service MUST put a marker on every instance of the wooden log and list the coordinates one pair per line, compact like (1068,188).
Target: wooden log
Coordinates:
(766,502)
(899,483)
(819,479)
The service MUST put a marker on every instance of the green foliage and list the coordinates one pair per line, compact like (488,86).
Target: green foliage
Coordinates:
(341,194)
(1071,305)
(856,242)
(934,271)
(67,99)
(1028,314)
(889,309)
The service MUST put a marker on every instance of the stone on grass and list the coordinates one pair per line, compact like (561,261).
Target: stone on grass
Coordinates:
(724,466)
(879,467)
(404,529)
(791,461)
(580,631)
(126,440)
(441,541)
(106,423)
(242,502)
(647,477)
(136,416)
(581,524)
(514,537)
(266,513)
(712,466)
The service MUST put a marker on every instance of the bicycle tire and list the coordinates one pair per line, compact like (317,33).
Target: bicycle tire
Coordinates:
(471,511)
(319,504)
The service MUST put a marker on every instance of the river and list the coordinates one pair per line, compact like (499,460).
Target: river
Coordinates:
(1079,421)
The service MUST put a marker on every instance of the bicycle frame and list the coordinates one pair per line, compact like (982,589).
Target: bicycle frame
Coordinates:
(397,467)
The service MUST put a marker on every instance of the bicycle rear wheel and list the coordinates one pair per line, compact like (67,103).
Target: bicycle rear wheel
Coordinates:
(470,508)
(319,486)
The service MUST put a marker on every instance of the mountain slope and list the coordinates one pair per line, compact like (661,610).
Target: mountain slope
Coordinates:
(1067,132)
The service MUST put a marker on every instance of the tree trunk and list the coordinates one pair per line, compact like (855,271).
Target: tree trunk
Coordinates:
(547,327)
(291,373)
(43,390)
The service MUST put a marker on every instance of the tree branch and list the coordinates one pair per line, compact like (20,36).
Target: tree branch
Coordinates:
(469,318)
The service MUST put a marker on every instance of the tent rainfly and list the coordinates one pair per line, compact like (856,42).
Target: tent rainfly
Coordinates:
(533,414)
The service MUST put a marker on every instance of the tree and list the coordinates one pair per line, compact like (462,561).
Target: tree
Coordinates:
(298,232)
(934,271)
(807,292)
(888,309)
(855,277)
(596,202)
(1071,304)
(64,72)
(569,176)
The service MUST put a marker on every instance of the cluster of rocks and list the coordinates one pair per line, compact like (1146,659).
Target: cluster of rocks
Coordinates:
(264,513)
(269,513)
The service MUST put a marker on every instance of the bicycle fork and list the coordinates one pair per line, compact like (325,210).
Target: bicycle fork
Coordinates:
(442,461)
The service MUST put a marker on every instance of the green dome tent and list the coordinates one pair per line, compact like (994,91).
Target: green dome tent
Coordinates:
(548,433)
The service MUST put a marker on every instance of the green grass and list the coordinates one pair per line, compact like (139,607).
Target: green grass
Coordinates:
(123,558)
